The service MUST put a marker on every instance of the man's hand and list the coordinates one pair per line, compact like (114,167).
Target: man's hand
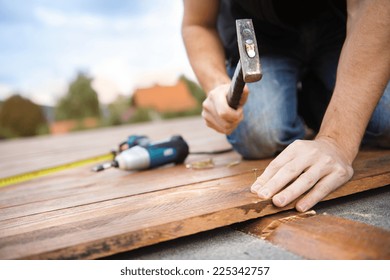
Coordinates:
(318,166)
(217,112)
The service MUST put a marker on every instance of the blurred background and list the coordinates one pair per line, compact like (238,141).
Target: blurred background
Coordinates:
(69,65)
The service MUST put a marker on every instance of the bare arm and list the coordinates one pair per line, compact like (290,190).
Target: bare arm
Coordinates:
(204,48)
(207,58)
(363,73)
(324,164)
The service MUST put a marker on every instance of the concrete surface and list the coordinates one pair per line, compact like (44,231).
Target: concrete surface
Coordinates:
(370,207)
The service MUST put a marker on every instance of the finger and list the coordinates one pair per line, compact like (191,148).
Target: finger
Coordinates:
(217,123)
(301,185)
(240,114)
(227,118)
(244,96)
(268,173)
(288,173)
(281,160)
(228,114)
(211,122)
(225,111)
(221,112)
(289,154)
(210,113)
(325,186)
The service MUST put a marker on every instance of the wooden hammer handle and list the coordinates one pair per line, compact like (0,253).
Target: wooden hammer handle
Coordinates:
(236,88)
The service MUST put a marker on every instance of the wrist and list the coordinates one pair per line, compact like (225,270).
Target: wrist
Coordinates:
(216,82)
(346,147)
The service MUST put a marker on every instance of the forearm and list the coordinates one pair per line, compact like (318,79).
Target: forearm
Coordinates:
(362,75)
(204,48)
(206,56)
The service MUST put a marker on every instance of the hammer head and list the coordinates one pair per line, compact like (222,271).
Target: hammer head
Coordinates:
(249,54)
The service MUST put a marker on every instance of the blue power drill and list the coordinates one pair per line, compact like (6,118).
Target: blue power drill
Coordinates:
(133,140)
(146,155)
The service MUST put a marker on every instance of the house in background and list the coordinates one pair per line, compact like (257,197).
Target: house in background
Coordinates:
(176,98)
(62,127)
(160,99)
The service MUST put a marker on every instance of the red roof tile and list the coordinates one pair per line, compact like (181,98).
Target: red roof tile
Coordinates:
(175,98)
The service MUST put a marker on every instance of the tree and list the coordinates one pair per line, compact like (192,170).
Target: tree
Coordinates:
(20,117)
(117,108)
(81,101)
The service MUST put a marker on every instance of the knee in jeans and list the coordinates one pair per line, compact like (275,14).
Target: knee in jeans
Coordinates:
(378,130)
(261,141)
(379,138)
(268,142)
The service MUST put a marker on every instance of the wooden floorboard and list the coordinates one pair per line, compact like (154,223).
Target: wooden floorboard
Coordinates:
(80,214)
(322,236)
(26,155)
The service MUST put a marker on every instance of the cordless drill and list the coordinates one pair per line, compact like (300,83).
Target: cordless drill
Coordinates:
(148,155)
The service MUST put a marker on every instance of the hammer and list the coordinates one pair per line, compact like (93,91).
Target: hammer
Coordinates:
(248,68)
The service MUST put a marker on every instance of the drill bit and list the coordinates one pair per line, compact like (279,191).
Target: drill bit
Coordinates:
(104,166)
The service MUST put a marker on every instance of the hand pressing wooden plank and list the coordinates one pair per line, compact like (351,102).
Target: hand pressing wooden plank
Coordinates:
(322,236)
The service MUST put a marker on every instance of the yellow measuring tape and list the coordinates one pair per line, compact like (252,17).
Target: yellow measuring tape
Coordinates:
(11,180)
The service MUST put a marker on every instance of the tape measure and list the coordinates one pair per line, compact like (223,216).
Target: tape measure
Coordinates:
(11,180)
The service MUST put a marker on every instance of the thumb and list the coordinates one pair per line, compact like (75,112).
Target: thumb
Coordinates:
(244,96)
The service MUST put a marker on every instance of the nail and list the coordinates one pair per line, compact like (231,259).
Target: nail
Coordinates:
(263,194)
(255,187)
(302,207)
(280,200)
(255,170)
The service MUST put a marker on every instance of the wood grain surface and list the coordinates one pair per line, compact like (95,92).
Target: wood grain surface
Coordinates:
(78,214)
(322,236)
(30,154)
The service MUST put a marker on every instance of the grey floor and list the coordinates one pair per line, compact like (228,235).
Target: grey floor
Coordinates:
(370,207)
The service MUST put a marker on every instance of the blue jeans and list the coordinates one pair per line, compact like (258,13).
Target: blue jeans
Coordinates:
(295,90)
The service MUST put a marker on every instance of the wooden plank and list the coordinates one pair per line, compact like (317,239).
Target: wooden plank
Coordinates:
(264,226)
(68,189)
(30,154)
(74,187)
(322,236)
(115,226)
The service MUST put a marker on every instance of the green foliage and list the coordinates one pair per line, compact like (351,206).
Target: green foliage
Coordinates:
(20,117)
(171,115)
(80,126)
(43,129)
(116,110)
(196,91)
(81,101)
(141,115)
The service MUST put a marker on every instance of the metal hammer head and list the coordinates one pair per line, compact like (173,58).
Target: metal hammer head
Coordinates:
(249,54)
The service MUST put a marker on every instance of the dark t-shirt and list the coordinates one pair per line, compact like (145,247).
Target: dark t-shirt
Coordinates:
(276,21)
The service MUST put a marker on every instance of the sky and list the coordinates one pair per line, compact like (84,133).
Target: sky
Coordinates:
(122,44)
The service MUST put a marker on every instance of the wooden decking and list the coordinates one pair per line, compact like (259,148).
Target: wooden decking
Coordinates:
(323,236)
(79,214)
